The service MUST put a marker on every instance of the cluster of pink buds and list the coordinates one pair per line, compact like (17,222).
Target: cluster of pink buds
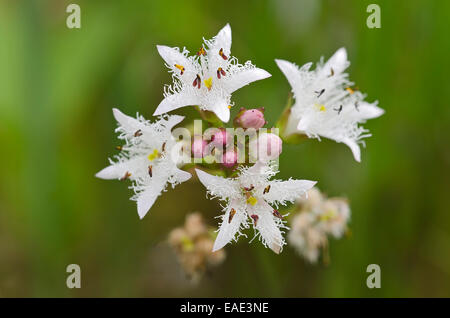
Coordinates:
(267,146)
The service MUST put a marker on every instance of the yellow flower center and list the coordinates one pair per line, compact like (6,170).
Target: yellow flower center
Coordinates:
(320,107)
(187,244)
(328,215)
(153,155)
(208,83)
(252,200)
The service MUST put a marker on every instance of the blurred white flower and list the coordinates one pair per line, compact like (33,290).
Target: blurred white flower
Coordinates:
(318,218)
(249,198)
(326,105)
(148,158)
(208,79)
(193,244)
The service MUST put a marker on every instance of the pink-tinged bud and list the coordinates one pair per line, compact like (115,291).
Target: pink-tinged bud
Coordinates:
(229,159)
(198,147)
(267,146)
(252,118)
(221,138)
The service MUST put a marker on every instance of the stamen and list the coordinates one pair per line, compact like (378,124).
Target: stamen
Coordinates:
(153,155)
(150,171)
(201,51)
(181,68)
(208,83)
(350,90)
(255,218)
(338,109)
(126,176)
(277,214)
(119,148)
(232,213)
(163,147)
(331,72)
(249,188)
(223,55)
(252,200)
(319,93)
(197,82)
(220,72)
(267,189)
(138,133)
(229,106)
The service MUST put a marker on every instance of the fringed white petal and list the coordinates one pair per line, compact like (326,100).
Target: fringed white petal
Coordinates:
(128,124)
(338,62)
(229,229)
(175,101)
(369,111)
(181,176)
(291,71)
(223,40)
(172,121)
(287,191)
(268,227)
(147,197)
(353,145)
(245,77)
(218,186)
(172,56)
(220,108)
(118,170)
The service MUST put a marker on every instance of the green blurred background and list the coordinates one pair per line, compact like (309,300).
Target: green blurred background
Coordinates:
(57,88)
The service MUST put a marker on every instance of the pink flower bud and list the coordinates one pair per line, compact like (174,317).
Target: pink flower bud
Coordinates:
(198,147)
(252,118)
(221,138)
(267,146)
(229,159)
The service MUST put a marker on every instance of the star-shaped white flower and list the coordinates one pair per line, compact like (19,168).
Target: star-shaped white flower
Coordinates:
(249,198)
(148,158)
(207,79)
(325,105)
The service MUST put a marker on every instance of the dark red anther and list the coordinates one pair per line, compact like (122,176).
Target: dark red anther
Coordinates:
(255,218)
(249,188)
(277,214)
(220,72)
(223,55)
(126,176)
(150,171)
(197,82)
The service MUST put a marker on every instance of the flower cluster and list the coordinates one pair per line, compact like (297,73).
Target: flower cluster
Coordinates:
(318,218)
(151,157)
(193,244)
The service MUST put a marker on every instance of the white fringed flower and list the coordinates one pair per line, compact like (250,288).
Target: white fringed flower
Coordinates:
(325,105)
(148,158)
(208,79)
(249,198)
(318,219)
